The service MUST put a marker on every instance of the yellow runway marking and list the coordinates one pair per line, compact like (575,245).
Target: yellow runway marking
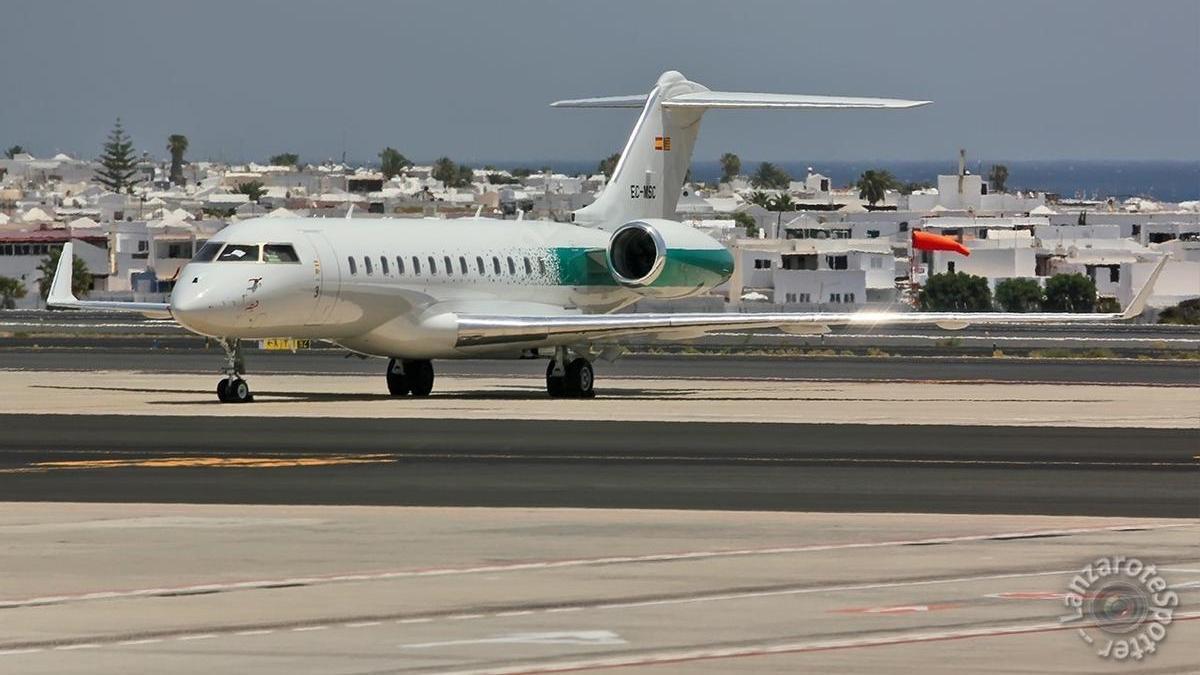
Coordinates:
(270,462)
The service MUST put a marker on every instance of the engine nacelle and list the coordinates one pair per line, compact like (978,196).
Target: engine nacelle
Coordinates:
(636,254)
(666,259)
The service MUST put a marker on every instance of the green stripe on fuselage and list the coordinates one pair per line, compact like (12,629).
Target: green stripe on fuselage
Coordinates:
(688,268)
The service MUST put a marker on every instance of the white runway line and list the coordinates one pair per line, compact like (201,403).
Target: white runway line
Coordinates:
(576,562)
(694,599)
(767,649)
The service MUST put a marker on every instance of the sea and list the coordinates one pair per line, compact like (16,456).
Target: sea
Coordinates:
(1167,181)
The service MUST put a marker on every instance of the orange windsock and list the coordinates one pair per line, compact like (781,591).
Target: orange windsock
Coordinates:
(927,241)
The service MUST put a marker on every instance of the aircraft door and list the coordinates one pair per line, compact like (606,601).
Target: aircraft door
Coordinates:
(326,278)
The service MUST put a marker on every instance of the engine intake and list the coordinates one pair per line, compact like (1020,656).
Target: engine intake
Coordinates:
(636,254)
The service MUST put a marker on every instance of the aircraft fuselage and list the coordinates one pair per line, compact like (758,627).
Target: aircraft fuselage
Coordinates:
(390,287)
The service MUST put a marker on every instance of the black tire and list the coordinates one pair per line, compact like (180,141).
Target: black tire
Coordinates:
(580,379)
(397,379)
(556,386)
(223,390)
(238,392)
(420,377)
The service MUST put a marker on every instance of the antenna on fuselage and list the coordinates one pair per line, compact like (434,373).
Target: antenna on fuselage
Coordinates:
(350,211)
(478,210)
(520,215)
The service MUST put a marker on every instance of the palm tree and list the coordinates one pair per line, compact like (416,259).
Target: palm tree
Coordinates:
(782,202)
(253,189)
(11,290)
(177,144)
(760,198)
(873,184)
(998,177)
(731,166)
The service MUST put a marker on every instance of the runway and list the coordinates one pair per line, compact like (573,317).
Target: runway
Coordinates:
(688,366)
(835,515)
(200,589)
(600,464)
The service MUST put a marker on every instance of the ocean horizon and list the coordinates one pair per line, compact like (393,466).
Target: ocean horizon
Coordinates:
(1163,180)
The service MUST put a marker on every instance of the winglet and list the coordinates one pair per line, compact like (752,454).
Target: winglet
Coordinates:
(1138,304)
(60,286)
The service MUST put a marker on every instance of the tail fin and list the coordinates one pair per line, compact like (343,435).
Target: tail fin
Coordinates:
(649,176)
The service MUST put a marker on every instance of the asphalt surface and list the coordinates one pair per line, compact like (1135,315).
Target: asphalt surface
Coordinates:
(188,588)
(971,369)
(728,466)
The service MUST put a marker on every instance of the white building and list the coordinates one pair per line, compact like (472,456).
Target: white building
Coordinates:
(840,273)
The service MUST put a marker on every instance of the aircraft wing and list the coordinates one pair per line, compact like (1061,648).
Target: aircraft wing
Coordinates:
(61,296)
(481,329)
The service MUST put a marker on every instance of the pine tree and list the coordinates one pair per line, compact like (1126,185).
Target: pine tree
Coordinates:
(118,164)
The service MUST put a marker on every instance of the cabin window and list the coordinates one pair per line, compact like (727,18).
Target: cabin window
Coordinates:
(479,264)
(399,265)
(353,266)
(449,267)
(432,267)
(239,253)
(462,264)
(280,253)
(416,266)
(367,266)
(208,251)
(383,266)
(512,267)
(541,266)
(528,268)
(496,264)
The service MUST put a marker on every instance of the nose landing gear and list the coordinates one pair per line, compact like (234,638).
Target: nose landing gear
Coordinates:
(233,389)
(409,377)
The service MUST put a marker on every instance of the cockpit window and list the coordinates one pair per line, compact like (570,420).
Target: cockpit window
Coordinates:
(208,251)
(239,253)
(280,253)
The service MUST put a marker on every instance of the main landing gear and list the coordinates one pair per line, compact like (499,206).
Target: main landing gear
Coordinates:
(233,389)
(409,377)
(572,378)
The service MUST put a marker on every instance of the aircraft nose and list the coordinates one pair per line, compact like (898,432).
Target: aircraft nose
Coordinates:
(194,306)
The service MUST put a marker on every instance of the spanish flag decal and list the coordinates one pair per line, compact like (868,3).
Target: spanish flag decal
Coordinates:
(662,142)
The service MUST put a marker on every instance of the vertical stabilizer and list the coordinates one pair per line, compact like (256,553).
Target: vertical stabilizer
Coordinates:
(649,176)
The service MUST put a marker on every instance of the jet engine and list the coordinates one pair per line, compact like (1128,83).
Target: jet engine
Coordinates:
(636,254)
(665,259)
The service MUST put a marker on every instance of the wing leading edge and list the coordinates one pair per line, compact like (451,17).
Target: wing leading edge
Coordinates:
(481,330)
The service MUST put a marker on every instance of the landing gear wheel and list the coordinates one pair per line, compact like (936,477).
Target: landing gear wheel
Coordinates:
(234,391)
(397,380)
(420,377)
(556,385)
(579,379)
(231,388)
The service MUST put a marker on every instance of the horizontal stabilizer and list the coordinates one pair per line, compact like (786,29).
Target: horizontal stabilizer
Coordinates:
(635,101)
(737,99)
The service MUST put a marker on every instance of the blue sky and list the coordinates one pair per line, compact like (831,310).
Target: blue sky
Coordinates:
(1014,79)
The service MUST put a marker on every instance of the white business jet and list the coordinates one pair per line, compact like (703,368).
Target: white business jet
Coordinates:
(414,290)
